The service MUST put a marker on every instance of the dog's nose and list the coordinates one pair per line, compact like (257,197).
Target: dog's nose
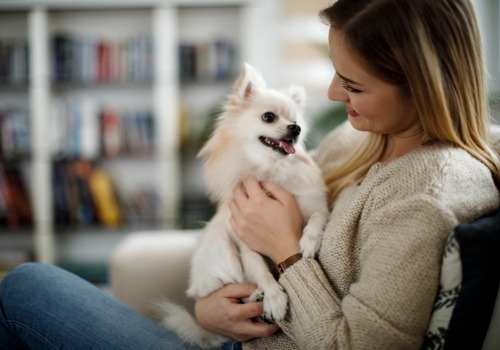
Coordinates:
(295,129)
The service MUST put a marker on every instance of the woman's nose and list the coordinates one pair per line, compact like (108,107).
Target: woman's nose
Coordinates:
(336,92)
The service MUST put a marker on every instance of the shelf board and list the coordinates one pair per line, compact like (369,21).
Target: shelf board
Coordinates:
(68,86)
(14,88)
(16,239)
(16,5)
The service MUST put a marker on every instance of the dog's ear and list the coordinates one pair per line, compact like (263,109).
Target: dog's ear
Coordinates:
(298,95)
(250,80)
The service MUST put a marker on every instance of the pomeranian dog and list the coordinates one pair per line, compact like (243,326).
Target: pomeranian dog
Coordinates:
(260,132)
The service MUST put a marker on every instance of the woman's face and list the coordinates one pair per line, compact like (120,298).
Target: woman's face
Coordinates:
(372,104)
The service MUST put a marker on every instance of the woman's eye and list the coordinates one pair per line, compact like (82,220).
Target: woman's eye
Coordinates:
(268,117)
(349,88)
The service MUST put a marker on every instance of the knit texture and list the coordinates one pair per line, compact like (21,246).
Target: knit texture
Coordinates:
(376,276)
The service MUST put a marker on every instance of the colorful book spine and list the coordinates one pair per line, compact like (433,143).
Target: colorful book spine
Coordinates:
(15,140)
(82,129)
(14,64)
(90,60)
(106,203)
(210,61)
(15,204)
(86,195)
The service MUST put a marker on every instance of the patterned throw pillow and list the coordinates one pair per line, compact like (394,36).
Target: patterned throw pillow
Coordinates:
(479,246)
(469,284)
(449,287)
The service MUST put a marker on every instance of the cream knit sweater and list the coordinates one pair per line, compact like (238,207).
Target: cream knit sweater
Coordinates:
(376,276)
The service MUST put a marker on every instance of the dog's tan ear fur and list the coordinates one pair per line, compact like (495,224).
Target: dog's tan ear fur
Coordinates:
(298,95)
(249,81)
(245,87)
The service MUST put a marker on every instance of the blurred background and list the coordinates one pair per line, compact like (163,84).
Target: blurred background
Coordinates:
(105,104)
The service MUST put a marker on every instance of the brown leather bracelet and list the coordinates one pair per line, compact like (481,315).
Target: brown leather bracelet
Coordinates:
(285,264)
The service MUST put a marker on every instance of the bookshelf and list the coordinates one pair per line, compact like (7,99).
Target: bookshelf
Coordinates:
(169,106)
(14,141)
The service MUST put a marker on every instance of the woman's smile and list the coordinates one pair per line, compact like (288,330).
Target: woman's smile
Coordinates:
(351,112)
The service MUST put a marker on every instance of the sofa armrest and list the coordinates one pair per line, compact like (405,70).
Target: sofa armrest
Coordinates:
(147,266)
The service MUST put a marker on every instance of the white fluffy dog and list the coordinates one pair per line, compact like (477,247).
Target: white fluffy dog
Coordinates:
(259,132)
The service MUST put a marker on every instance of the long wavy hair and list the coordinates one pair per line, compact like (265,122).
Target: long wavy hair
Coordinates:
(432,51)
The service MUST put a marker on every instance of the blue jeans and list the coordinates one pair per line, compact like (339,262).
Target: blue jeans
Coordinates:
(45,307)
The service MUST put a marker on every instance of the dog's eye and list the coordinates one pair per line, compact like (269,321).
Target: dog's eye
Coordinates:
(268,117)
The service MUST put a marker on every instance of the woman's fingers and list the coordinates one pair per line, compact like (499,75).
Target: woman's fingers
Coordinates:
(222,312)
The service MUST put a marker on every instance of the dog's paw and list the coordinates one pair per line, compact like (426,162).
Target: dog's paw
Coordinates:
(275,304)
(257,295)
(309,244)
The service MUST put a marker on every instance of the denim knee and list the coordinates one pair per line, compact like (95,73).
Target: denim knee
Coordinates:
(24,273)
(24,277)
(16,288)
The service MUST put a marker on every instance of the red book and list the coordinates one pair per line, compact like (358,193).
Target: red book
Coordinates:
(111,133)
(103,62)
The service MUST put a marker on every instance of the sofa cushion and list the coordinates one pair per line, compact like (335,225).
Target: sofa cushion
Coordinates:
(149,266)
(479,247)
(470,276)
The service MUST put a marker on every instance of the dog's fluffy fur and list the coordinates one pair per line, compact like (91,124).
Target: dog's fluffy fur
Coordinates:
(259,132)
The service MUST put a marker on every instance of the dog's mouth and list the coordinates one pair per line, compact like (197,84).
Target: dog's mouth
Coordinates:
(284,146)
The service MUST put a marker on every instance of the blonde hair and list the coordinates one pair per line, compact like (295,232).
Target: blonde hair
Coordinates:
(431,50)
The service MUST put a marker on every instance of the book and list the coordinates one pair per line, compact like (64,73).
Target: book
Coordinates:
(14,134)
(61,192)
(104,197)
(62,58)
(80,174)
(207,61)
(16,202)
(111,133)
(14,65)
(92,60)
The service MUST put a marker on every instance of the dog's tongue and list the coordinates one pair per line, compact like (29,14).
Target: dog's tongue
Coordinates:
(288,147)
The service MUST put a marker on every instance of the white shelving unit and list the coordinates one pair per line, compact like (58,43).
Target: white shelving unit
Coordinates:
(168,23)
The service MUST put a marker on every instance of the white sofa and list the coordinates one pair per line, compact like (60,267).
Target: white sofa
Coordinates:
(149,265)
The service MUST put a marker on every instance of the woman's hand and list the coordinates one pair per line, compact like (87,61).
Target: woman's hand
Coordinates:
(222,312)
(266,218)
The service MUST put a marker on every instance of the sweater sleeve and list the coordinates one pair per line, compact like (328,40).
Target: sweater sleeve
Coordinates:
(389,304)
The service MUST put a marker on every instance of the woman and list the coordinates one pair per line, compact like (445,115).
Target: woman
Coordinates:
(414,164)
(410,75)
